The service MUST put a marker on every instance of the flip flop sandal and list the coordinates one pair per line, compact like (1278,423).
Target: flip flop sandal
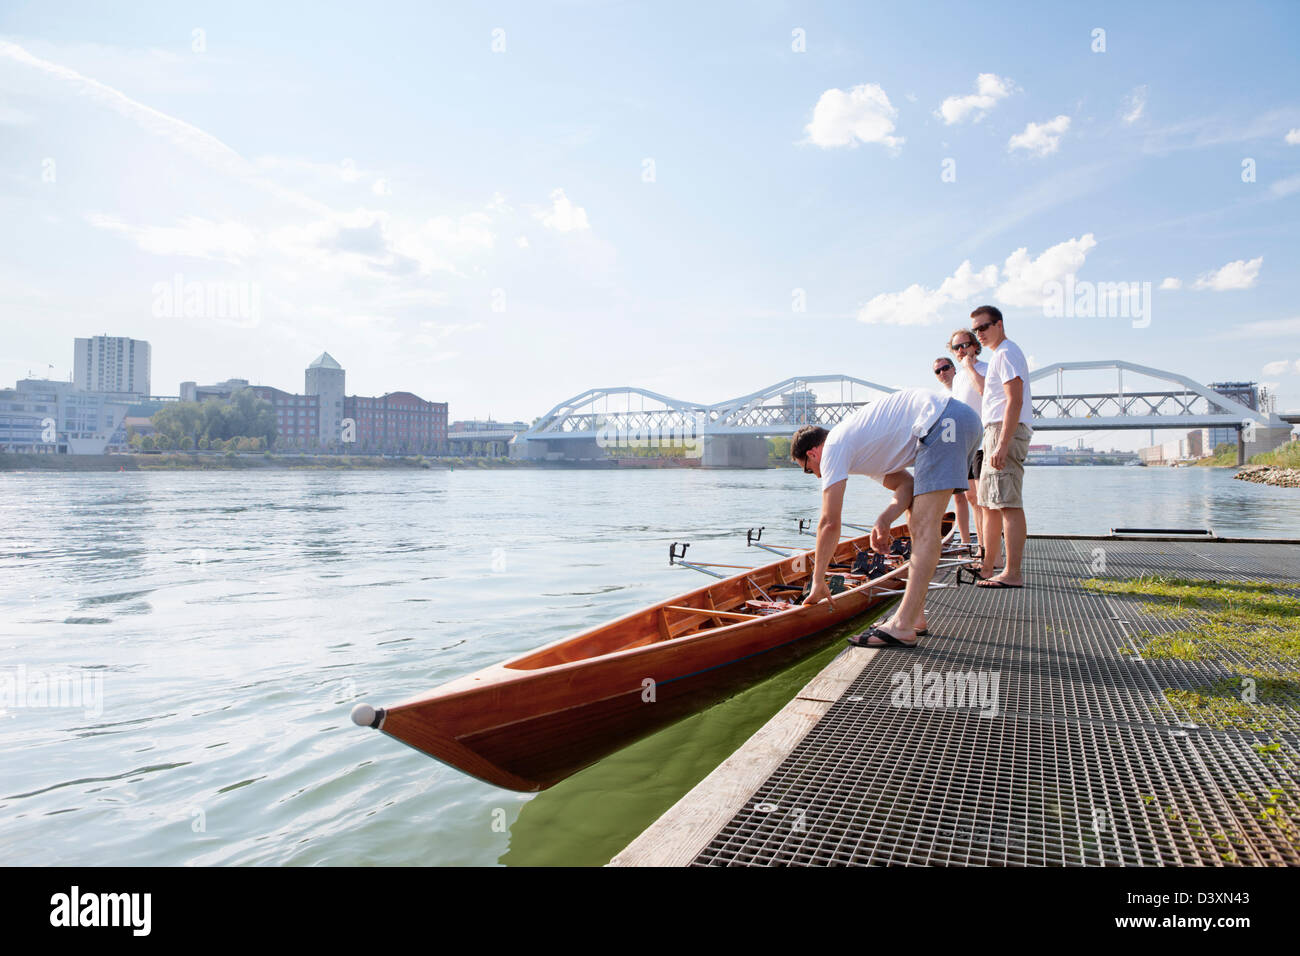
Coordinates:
(882,639)
(991,585)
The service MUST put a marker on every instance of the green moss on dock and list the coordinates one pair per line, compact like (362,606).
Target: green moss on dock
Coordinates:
(1252,628)
(1257,620)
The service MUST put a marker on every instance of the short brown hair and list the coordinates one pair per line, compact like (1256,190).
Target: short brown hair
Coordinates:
(974,338)
(805,440)
(992,311)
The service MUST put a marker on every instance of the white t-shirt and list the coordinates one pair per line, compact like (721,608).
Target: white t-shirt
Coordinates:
(881,438)
(963,386)
(1007,363)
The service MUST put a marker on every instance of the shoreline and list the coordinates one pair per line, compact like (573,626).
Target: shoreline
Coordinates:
(16,463)
(248,461)
(1274,475)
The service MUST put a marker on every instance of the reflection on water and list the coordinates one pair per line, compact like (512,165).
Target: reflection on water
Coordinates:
(232,619)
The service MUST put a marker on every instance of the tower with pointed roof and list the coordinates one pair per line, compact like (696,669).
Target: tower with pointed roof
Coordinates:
(325,379)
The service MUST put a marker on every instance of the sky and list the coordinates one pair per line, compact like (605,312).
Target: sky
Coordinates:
(503,205)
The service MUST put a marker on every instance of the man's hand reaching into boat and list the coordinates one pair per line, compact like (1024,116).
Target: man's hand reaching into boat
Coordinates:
(828,528)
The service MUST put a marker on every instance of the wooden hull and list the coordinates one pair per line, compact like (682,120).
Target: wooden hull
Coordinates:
(530,722)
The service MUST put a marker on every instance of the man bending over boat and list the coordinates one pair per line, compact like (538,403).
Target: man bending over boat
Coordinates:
(913,426)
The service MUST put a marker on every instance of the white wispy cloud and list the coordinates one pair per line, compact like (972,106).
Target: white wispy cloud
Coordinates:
(1293,137)
(189,138)
(1281,367)
(1041,139)
(563,215)
(1171,284)
(989,89)
(1023,278)
(1203,132)
(1241,274)
(917,305)
(1135,105)
(192,237)
(862,115)
(1264,328)
(1287,186)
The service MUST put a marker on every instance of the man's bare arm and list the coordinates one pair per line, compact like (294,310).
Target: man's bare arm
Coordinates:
(828,530)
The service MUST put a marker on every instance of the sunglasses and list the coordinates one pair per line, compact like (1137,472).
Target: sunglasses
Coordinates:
(942,368)
(963,345)
(981,328)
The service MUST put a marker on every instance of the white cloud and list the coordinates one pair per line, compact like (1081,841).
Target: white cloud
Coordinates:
(193,237)
(1042,139)
(1285,187)
(862,115)
(522,242)
(564,215)
(1293,137)
(1265,328)
(1235,275)
(313,172)
(1280,367)
(1022,285)
(182,134)
(1171,284)
(1134,105)
(1025,277)
(990,88)
(917,305)
(381,187)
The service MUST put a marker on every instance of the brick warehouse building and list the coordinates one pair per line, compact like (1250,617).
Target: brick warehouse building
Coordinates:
(395,423)
(398,423)
(297,417)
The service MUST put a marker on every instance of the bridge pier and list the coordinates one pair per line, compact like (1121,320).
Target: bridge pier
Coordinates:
(1266,438)
(734,451)
(569,449)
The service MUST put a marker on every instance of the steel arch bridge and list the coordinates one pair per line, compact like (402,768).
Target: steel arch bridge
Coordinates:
(1175,401)
(769,411)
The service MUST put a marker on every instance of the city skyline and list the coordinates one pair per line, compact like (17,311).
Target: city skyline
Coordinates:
(823,206)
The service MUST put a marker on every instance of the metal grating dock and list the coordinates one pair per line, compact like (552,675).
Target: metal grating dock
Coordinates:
(1091,755)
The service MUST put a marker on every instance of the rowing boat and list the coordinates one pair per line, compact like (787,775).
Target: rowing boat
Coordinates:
(532,721)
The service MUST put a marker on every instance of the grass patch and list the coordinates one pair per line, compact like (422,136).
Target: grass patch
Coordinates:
(1225,455)
(1251,627)
(1285,456)
(1235,703)
(1254,619)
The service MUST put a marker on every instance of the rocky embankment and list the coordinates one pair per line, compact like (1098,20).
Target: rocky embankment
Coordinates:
(1270,475)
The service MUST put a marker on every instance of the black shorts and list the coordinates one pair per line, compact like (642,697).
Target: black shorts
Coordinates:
(976,463)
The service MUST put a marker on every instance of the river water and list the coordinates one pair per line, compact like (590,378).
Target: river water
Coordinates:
(219,626)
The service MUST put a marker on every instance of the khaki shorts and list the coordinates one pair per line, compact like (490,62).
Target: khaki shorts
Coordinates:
(1002,489)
